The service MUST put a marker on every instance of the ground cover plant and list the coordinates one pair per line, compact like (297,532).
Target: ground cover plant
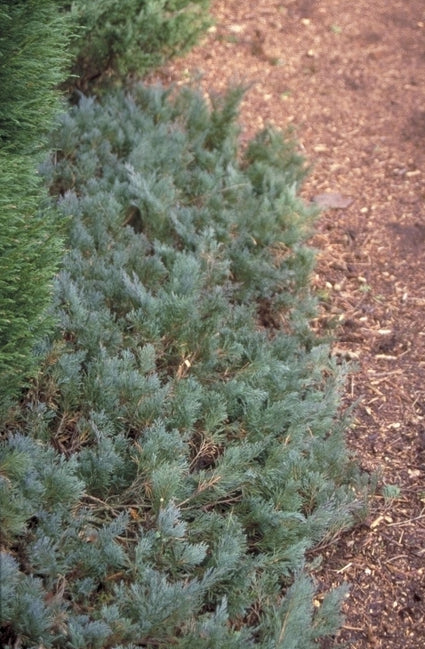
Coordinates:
(182,448)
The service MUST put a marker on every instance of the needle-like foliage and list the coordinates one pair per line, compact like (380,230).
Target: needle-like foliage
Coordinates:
(183,447)
(114,38)
(33,40)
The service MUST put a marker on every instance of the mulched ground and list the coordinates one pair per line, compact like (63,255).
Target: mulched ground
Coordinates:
(349,78)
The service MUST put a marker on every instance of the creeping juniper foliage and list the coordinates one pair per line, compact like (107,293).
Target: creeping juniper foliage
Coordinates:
(182,448)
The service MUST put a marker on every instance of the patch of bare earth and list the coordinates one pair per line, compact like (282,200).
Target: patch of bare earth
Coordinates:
(350,79)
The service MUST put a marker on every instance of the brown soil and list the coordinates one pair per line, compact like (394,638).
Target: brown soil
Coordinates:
(350,79)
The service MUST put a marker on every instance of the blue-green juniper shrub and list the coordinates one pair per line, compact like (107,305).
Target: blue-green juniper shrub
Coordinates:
(183,448)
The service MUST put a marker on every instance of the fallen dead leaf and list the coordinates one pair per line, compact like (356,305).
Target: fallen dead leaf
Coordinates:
(332,200)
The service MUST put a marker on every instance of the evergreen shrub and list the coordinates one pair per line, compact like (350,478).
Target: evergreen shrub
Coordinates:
(183,448)
(33,38)
(118,37)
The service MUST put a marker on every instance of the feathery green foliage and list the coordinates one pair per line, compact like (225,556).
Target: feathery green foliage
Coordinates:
(183,448)
(120,37)
(33,38)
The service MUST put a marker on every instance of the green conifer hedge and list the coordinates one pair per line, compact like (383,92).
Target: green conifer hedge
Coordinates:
(33,38)
(183,448)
